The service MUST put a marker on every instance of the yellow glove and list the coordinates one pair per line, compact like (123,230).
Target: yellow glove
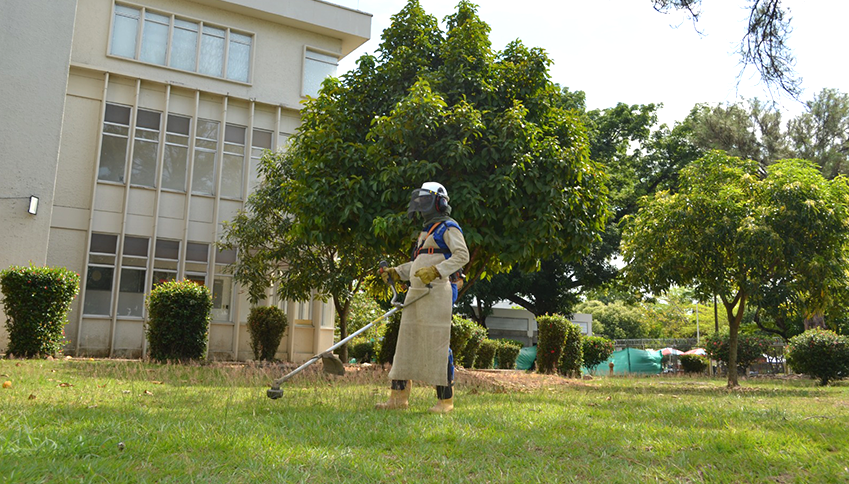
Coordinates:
(427,274)
(389,273)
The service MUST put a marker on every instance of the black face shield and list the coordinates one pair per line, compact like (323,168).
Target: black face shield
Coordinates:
(421,201)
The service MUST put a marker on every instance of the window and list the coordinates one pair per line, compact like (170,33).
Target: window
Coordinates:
(260,142)
(234,160)
(113,149)
(222,286)
(176,153)
(100,274)
(317,66)
(206,149)
(131,289)
(168,40)
(197,261)
(145,148)
(166,254)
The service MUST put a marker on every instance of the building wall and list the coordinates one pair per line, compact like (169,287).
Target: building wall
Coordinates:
(125,200)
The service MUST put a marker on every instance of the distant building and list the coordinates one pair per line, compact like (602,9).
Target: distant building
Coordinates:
(521,325)
(138,127)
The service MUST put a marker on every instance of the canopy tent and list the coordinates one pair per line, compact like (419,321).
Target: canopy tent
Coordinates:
(696,351)
(671,351)
(633,360)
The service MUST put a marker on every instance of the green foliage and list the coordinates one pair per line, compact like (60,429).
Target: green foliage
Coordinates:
(178,320)
(266,325)
(36,302)
(506,354)
(364,349)
(750,347)
(596,350)
(572,357)
(461,332)
(734,232)
(821,354)
(693,363)
(469,353)
(486,353)
(821,134)
(386,352)
(618,320)
(552,336)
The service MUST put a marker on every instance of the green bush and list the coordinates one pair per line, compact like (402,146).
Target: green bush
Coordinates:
(552,336)
(470,352)
(486,353)
(506,354)
(750,347)
(386,353)
(572,357)
(178,320)
(266,325)
(596,350)
(363,349)
(461,331)
(821,354)
(36,302)
(693,363)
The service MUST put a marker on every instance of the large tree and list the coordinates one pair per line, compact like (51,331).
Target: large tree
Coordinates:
(821,134)
(727,231)
(432,106)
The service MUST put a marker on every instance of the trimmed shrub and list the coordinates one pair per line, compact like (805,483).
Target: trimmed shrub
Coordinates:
(693,363)
(819,353)
(552,336)
(461,331)
(178,321)
(596,350)
(36,302)
(470,351)
(750,347)
(506,354)
(486,353)
(572,357)
(266,325)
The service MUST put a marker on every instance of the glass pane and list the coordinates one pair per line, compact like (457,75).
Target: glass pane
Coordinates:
(234,149)
(177,139)
(154,40)
(314,73)
(203,173)
(206,145)
(261,139)
(221,297)
(105,260)
(167,249)
(98,290)
(178,124)
(144,163)
(134,262)
(238,61)
(198,279)
(113,156)
(184,48)
(326,58)
(227,256)
(103,243)
(124,31)
(231,176)
(168,265)
(163,276)
(197,252)
(135,246)
(131,293)
(212,52)
(234,134)
(117,114)
(207,129)
(118,130)
(196,268)
(240,38)
(148,119)
(174,167)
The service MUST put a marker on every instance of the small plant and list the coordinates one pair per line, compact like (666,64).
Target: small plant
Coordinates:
(178,320)
(552,335)
(821,354)
(363,350)
(486,353)
(470,351)
(507,353)
(36,302)
(596,350)
(266,325)
(693,363)
(572,357)
(461,331)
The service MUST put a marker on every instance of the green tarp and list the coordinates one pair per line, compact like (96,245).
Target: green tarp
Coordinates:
(526,358)
(632,360)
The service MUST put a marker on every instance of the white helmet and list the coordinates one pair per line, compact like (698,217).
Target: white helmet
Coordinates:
(431,198)
(436,188)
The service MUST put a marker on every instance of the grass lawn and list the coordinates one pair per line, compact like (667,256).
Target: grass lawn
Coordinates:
(128,421)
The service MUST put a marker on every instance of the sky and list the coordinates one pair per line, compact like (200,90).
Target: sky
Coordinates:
(624,51)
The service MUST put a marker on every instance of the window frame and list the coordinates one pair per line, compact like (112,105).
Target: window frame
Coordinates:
(319,51)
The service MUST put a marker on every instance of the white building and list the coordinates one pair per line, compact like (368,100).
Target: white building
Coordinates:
(138,126)
(521,325)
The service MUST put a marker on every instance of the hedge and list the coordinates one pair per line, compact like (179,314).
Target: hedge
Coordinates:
(819,353)
(266,325)
(178,321)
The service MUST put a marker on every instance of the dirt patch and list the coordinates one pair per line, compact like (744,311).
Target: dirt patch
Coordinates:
(511,381)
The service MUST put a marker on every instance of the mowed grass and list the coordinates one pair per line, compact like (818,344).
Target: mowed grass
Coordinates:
(129,421)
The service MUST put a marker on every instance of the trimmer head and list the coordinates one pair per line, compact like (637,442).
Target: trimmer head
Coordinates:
(332,364)
(274,393)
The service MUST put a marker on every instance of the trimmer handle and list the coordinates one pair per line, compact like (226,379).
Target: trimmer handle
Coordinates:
(383,266)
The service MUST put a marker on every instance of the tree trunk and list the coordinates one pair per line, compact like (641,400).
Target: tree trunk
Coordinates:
(734,327)
(815,321)
(342,309)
